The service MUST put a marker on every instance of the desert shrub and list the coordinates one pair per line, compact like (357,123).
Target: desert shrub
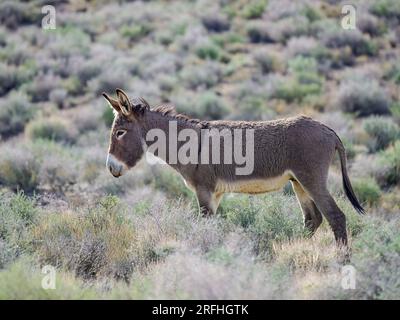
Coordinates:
(100,241)
(14,14)
(215,22)
(39,90)
(84,242)
(88,71)
(58,97)
(390,158)
(383,132)
(386,8)
(395,110)
(201,76)
(288,27)
(68,41)
(252,108)
(208,51)
(210,106)
(393,73)
(266,61)
(15,112)
(254,9)
(240,210)
(171,183)
(363,98)
(135,32)
(17,211)
(370,24)
(305,80)
(17,214)
(312,14)
(276,222)
(73,86)
(367,190)
(305,46)
(377,278)
(291,91)
(24,274)
(19,169)
(265,219)
(339,38)
(304,256)
(108,116)
(58,168)
(108,80)
(53,128)
(12,76)
(260,32)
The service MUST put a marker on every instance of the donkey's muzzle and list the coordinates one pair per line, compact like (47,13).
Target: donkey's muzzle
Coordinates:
(115,166)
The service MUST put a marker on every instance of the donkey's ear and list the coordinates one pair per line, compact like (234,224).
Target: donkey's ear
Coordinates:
(113,103)
(124,103)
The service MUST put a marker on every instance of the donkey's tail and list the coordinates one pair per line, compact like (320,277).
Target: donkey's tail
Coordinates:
(346,181)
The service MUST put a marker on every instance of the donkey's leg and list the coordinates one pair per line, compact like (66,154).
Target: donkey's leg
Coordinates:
(312,216)
(315,186)
(336,218)
(208,201)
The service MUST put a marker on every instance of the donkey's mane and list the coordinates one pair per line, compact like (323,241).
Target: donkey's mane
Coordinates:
(170,111)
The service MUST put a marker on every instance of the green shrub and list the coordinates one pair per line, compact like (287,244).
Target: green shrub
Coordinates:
(50,129)
(367,190)
(135,32)
(363,98)
(267,62)
(390,158)
(386,8)
(275,222)
(19,169)
(395,110)
(383,132)
(171,183)
(23,280)
(378,277)
(240,210)
(292,91)
(210,106)
(354,39)
(13,77)
(254,9)
(208,51)
(17,214)
(204,75)
(108,116)
(15,112)
(304,80)
(13,14)
(266,219)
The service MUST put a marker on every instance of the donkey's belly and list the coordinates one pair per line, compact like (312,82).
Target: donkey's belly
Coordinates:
(253,186)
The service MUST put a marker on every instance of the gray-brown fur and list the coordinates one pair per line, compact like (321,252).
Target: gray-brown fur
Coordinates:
(298,149)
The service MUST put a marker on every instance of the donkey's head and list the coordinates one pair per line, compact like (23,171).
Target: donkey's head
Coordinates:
(126,139)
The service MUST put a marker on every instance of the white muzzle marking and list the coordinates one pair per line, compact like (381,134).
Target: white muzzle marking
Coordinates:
(116,167)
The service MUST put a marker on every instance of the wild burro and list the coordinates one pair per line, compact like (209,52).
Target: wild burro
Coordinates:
(217,157)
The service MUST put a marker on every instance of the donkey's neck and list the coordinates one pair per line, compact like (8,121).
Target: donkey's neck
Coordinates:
(156,125)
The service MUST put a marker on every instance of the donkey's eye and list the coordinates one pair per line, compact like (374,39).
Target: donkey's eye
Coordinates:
(120,133)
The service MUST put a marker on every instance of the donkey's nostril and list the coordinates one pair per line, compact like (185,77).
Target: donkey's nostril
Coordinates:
(114,166)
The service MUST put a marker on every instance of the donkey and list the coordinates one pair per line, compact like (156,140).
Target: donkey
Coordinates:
(297,149)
